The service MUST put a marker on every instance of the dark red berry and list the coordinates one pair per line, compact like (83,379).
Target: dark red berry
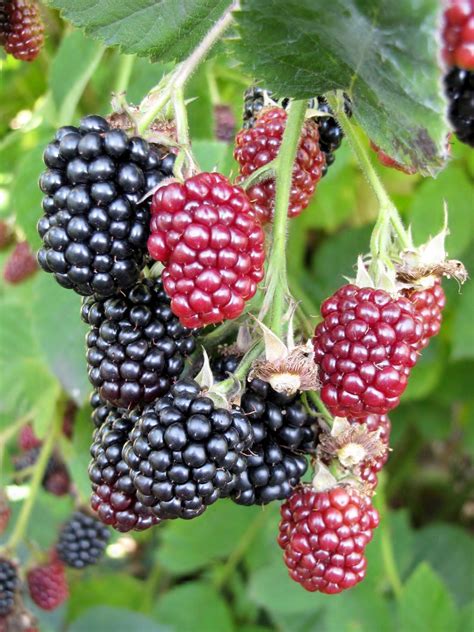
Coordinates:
(23,34)
(47,584)
(21,264)
(256,147)
(365,347)
(210,241)
(429,305)
(9,583)
(5,512)
(386,161)
(324,535)
(224,123)
(458,34)
(27,438)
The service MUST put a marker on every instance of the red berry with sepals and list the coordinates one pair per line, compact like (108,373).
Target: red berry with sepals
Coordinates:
(207,235)
(324,535)
(258,146)
(365,348)
(47,583)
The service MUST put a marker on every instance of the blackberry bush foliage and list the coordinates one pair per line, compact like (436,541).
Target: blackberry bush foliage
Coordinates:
(136,346)
(95,224)
(230,362)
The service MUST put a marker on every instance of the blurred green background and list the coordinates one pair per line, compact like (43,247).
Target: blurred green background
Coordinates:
(224,572)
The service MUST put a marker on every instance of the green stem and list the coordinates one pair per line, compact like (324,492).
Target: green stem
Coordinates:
(388,214)
(158,98)
(239,551)
(388,555)
(124,73)
(39,471)
(224,387)
(276,281)
(323,411)
(182,132)
(266,172)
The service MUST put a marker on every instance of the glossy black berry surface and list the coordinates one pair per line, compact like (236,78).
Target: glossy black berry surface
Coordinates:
(82,540)
(136,346)
(184,453)
(459,86)
(95,225)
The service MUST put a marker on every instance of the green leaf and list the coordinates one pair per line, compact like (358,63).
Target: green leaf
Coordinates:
(427,372)
(384,54)
(166,30)
(87,592)
(75,62)
(77,455)
(194,607)
(114,620)
(463,331)
(466,618)
(425,603)
(450,551)
(188,546)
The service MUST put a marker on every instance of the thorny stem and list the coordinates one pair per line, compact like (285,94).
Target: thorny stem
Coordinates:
(241,371)
(388,215)
(182,131)
(266,172)
(276,279)
(158,98)
(388,555)
(38,475)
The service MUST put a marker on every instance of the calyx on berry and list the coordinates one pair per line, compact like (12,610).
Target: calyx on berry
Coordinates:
(288,368)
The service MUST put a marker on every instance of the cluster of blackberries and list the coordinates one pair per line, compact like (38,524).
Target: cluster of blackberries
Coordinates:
(330,133)
(82,540)
(95,225)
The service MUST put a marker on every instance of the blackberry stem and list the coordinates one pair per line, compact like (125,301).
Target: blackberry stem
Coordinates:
(159,96)
(124,73)
(276,278)
(241,372)
(38,475)
(323,411)
(182,133)
(388,215)
(388,554)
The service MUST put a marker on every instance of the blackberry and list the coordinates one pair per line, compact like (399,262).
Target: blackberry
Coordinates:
(8,586)
(82,540)
(100,409)
(56,479)
(283,434)
(113,494)
(330,134)
(136,346)
(459,85)
(94,228)
(22,29)
(184,452)
(4,21)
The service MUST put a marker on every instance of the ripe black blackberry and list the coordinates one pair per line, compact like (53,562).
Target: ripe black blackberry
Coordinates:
(9,583)
(459,85)
(184,452)
(100,409)
(114,497)
(283,433)
(330,134)
(82,540)
(94,228)
(136,345)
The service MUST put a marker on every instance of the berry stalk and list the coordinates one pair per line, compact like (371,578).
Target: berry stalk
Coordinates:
(388,214)
(276,279)
(388,554)
(158,98)
(37,478)
(124,73)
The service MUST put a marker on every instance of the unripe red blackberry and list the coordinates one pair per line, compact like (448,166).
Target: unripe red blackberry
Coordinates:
(206,234)
(114,497)
(95,227)
(284,433)
(136,346)
(22,29)
(9,584)
(324,535)
(459,85)
(47,584)
(184,452)
(20,265)
(365,348)
(27,438)
(82,540)
(224,123)
(5,512)
(259,145)
(429,305)
(458,34)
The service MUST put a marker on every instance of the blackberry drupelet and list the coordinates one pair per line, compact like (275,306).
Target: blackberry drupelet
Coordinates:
(184,452)
(114,497)
(284,432)
(459,85)
(8,586)
(136,346)
(100,409)
(94,228)
(82,540)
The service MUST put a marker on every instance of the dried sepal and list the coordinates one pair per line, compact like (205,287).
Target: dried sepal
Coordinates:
(323,479)
(350,444)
